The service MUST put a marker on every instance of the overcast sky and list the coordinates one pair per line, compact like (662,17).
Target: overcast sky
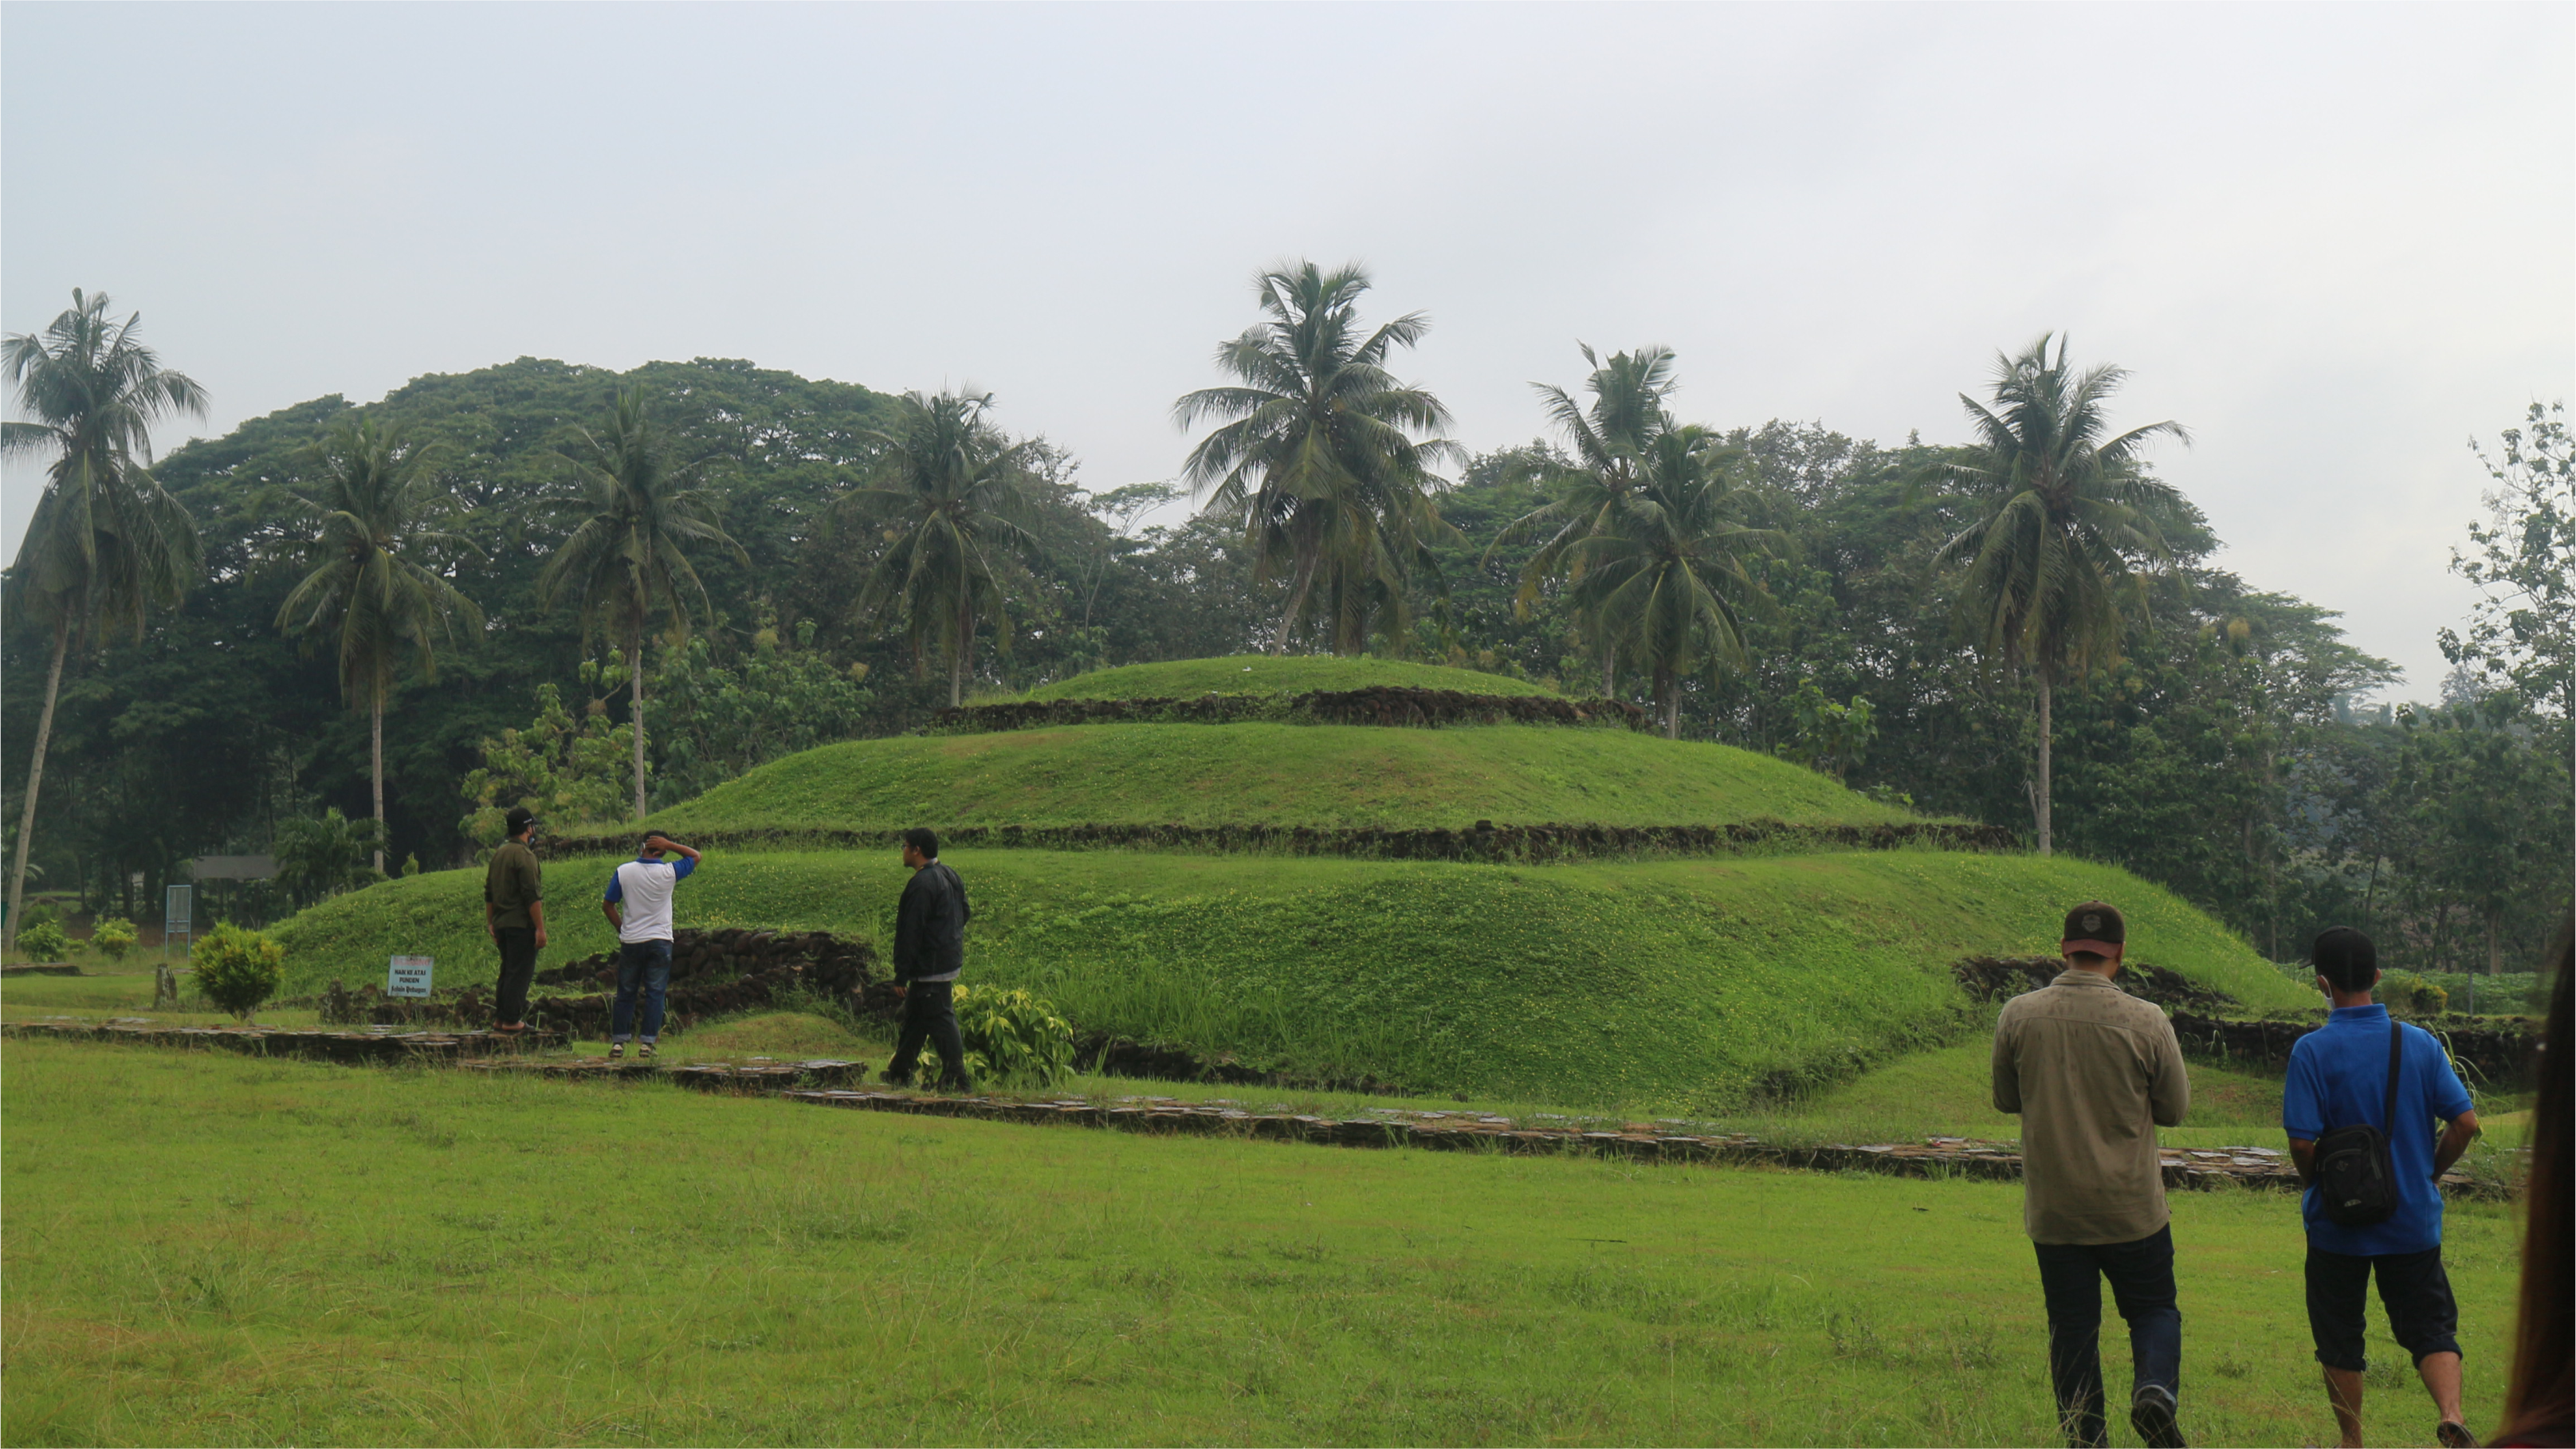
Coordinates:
(2335,241)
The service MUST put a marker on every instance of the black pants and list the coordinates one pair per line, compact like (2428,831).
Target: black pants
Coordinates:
(518,968)
(2142,1286)
(930,1012)
(2413,1287)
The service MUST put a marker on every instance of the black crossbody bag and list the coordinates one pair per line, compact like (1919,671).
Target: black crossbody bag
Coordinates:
(2356,1176)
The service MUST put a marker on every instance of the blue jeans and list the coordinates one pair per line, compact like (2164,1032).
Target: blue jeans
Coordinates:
(2142,1286)
(646,964)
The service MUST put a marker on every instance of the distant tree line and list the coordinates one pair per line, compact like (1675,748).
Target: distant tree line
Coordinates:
(353,634)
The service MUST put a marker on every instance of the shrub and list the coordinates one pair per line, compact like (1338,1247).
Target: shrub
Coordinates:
(43,940)
(113,935)
(1017,1033)
(237,969)
(2404,991)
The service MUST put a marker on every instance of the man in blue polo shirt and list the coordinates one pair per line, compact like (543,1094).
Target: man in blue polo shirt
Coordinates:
(2339,1078)
(638,904)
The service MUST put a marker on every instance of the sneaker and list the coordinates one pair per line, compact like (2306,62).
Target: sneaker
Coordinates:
(616,1050)
(644,1052)
(2151,1413)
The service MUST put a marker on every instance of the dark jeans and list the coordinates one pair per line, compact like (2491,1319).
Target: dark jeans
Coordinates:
(2413,1287)
(2142,1286)
(930,1012)
(644,963)
(518,968)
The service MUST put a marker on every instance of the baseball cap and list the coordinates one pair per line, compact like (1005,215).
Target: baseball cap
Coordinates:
(519,818)
(2095,926)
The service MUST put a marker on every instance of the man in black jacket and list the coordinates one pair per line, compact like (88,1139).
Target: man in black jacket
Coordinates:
(929,951)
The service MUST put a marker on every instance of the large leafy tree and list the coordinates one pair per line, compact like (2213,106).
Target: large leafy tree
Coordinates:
(2522,629)
(1323,456)
(954,494)
(628,556)
(1608,439)
(2062,510)
(377,587)
(1666,579)
(106,545)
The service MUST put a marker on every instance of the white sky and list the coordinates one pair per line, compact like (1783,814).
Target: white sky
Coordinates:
(2336,241)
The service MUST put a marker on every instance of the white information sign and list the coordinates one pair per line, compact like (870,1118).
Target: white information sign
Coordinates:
(409,976)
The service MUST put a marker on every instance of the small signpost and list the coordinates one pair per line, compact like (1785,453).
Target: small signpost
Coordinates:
(178,917)
(409,976)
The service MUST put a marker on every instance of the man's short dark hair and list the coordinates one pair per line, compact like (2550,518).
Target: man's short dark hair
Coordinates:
(518,820)
(2346,957)
(920,838)
(646,843)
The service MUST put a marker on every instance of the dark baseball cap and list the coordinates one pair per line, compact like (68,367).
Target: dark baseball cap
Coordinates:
(519,818)
(2095,926)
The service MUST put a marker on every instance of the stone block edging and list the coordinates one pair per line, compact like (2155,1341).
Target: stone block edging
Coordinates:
(838,1083)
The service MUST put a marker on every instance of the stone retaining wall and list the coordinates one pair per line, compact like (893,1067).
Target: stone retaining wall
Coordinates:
(713,973)
(836,1083)
(2489,1054)
(332,1046)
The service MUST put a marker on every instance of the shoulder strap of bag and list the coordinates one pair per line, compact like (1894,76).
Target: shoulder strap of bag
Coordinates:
(2396,1058)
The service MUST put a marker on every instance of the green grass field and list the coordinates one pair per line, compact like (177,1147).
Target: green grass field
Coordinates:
(1271,774)
(1275,674)
(202,1248)
(1680,985)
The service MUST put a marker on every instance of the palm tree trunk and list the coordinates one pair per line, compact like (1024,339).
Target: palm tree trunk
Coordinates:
(964,651)
(635,712)
(376,771)
(1668,691)
(36,775)
(1296,600)
(1609,672)
(2040,803)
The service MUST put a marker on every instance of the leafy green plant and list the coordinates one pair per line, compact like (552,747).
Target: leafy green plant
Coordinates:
(1017,1034)
(113,936)
(237,969)
(44,941)
(2407,992)
(564,770)
(320,858)
(1831,739)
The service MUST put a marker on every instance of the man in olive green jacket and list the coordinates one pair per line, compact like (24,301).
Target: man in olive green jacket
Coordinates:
(514,912)
(2093,1071)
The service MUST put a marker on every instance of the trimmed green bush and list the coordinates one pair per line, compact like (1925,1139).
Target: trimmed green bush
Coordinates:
(237,969)
(44,940)
(1018,1035)
(114,936)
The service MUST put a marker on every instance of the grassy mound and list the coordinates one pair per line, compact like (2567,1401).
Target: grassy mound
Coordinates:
(1322,775)
(1690,984)
(1275,674)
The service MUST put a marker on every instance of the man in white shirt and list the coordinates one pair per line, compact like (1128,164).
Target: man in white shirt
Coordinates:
(638,904)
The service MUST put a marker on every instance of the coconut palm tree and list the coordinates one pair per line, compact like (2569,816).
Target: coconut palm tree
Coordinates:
(1610,438)
(1666,579)
(106,545)
(1317,453)
(628,556)
(954,492)
(376,500)
(2062,509)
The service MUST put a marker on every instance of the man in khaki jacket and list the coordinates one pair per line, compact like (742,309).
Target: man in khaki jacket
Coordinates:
(2093,1071)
